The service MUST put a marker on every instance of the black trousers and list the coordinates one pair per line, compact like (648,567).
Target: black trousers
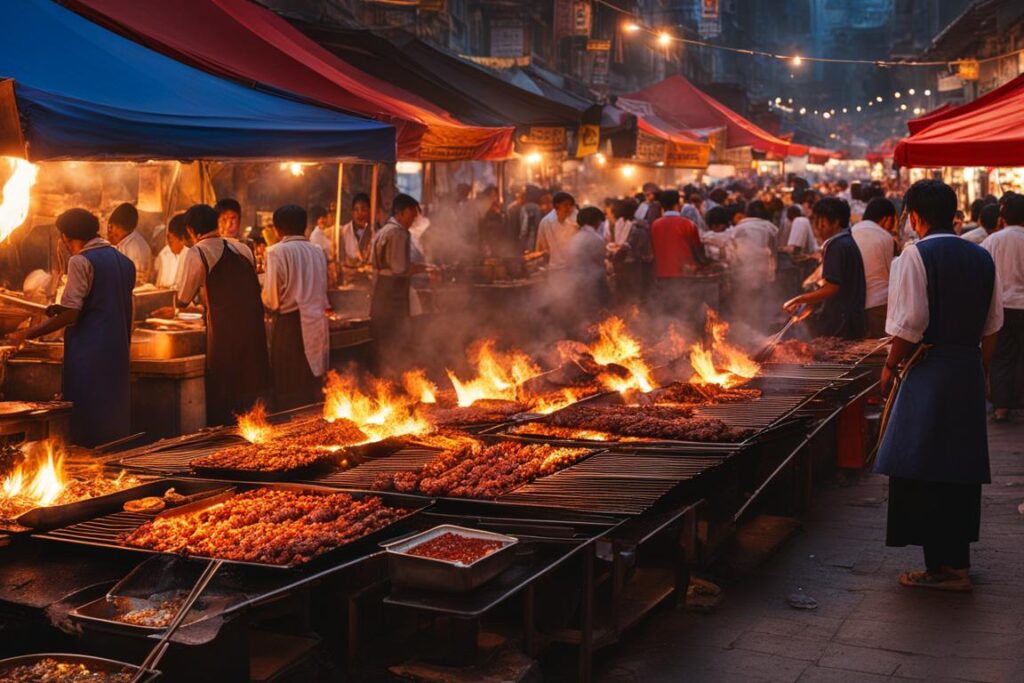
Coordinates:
(942,517)
(1008,361)
(952,554)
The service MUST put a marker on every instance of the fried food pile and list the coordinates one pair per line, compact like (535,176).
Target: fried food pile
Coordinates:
(481,412)
(268,526)
(652,421)
(157,616)
(471,472)
(455,548)
(705,394)
(50,670)
(311,444)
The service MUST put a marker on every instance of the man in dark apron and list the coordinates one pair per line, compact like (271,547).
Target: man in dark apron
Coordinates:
(96,309)
(223,272)
(393,269)
(944,313)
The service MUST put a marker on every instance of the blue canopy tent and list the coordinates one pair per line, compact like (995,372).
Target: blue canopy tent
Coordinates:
(75,90)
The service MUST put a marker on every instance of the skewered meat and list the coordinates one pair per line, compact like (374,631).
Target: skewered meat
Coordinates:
(467,472)
(455,548)
(482,411)
(310,444)
(50,670)
(824,349)
(553,432)
(268,526)
(654,421)
(704,394)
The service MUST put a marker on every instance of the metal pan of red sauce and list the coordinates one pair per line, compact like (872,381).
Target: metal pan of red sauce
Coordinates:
(449,558)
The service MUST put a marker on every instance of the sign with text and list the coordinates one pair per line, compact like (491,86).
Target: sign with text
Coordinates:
(599,45)
(688,155)
(649,148)
(543,138)
(588,140)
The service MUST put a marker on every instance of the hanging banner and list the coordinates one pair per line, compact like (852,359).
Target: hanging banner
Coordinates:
(507,39)
(588,140)
(563,18)
(710,19)
(599,45)
(968,69)
(599,68)
(581,16)
(543,139)
(687,155)
(650,149)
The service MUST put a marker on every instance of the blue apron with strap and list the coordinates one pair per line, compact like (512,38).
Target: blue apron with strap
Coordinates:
(938,431)
(96,352)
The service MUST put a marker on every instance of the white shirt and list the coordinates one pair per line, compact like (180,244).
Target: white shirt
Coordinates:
(296,280)
(755,247)
(718,244)
(166,266)
(319,238)
(553,237)
(350,252)
(1007,249)
(136,248)
(976,235)
(192,274)
(877,250)
(801,235)
(80,276)
(908,313)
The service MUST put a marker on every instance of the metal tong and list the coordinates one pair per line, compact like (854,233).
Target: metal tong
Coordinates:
(158,651)
(773,341)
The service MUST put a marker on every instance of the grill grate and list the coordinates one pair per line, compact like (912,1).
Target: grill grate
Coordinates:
(362,476)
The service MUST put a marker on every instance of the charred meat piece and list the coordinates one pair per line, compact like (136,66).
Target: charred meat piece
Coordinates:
(652,421)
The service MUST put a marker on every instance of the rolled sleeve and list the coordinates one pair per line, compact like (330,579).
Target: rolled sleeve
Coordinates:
(907,315)
(79,283)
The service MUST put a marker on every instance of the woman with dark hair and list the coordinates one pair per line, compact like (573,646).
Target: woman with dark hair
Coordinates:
(945,310)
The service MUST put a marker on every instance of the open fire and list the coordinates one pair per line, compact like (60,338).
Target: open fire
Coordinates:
(380,413)
(717,361)
(17,195)
(616,346)
(42,480)
(498,375)
(253,426)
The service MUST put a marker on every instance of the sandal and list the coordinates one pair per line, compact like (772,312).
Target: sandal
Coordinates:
(951,581)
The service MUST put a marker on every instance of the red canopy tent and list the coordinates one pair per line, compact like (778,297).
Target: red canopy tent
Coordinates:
(682,105)
(948,111)
(242,41)
(989,134)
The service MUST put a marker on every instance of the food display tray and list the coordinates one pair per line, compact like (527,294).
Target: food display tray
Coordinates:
(446,575)
(94,664)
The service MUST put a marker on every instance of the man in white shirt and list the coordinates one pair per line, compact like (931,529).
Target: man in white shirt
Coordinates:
(586,255)
(295,292)
(356,235)
(988,223)
(1007,249)
(801,237)
(121,231)
(718,240)
(755,239)
(877,249)
(556,229)
(169,258)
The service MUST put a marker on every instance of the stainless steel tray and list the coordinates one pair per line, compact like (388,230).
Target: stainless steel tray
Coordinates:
(94,664)
(445,575)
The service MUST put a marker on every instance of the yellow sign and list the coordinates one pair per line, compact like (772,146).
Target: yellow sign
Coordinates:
(649,148)
(688,155)
(588,139)
(543,139)
(599,45)
(968,69)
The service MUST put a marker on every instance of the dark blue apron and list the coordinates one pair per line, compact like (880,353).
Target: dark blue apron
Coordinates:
(937,431)
(96,352)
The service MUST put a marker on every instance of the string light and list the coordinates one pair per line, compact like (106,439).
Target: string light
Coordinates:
(797,60)
(859,107)
(631,27)
(664,39)
(826,115)
(927,93)
(803,110)
(897,94)
(911,92)
(878,98)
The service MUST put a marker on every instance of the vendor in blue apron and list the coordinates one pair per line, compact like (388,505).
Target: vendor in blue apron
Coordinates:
(96,309)
(944,313)
(393,267)
(222,272)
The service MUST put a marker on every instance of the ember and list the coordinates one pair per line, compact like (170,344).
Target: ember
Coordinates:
(705,394)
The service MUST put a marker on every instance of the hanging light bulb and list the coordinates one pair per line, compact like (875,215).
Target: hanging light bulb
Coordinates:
(826,115)
(878,98)
(797,60)
(844,110)
(903,107)
(927,93)
(631,27)
(897,94)
(803,110)
(859,108)
(664,38)
(911,92)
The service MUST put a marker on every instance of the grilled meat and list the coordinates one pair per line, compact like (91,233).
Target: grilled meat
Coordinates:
(553,432)
(307,445)
(704,394)
(481,412)
(50,670)
(267,526)
(652,421)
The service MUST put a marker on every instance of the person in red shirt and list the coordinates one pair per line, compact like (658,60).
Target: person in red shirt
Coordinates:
(677,246)
(677,253)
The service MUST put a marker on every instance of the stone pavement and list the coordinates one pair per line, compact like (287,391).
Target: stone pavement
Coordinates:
(866,627)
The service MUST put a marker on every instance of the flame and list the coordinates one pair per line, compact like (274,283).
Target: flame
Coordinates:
(545,405)
(381,414)
(294,167)
(17,194)
(721,362)
(417,384)
(498,375)
(615,345)
(253,426)
(38,483)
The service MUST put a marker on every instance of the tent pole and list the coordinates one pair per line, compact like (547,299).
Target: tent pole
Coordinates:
(373,199)
(337,214)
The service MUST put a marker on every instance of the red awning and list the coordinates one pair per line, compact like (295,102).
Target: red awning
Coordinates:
(883,151)
(681,104)
(948,111)
(989,134)
(240,40)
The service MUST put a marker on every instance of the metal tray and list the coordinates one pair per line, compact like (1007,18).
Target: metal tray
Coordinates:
(322,466)
(445,575)
(46,518)
(94,663)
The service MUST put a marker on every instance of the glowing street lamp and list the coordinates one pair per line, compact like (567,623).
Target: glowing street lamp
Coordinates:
(664,38)
(797,60)
(631,27)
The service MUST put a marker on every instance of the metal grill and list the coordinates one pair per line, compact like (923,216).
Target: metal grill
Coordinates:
(614,483)
(363,476)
